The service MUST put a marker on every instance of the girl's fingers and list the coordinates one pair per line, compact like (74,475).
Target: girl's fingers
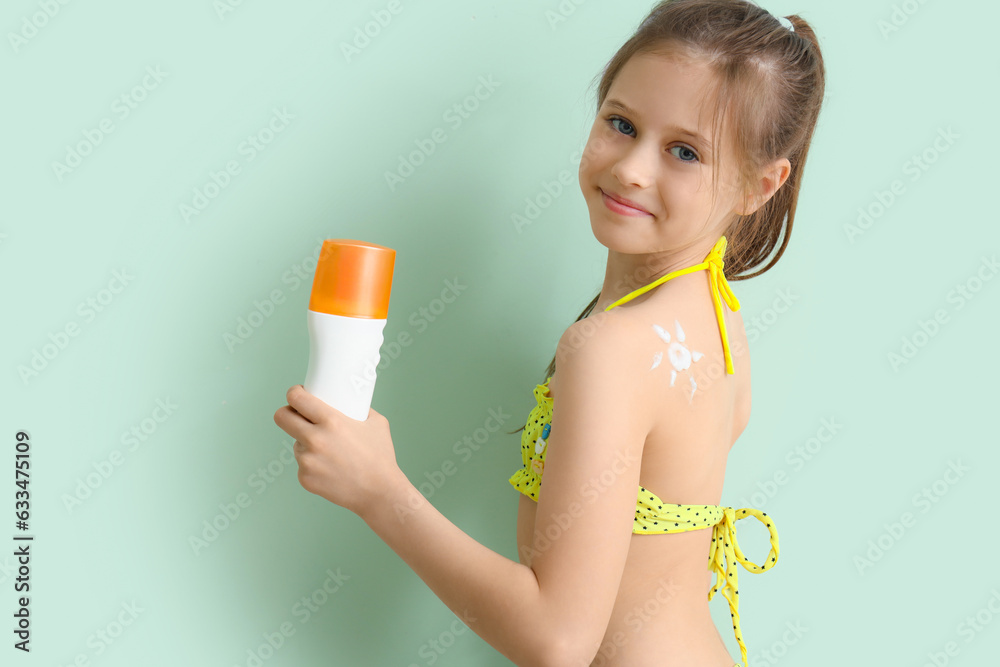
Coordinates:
(291,422)
(310,407)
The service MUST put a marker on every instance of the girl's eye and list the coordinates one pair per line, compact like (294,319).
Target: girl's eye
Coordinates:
(685,148)
(628,125)
(612,120)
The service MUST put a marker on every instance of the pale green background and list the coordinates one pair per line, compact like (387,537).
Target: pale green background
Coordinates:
(162,337)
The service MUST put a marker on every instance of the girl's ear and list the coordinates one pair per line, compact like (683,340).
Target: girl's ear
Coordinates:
(772,179)
(749,203)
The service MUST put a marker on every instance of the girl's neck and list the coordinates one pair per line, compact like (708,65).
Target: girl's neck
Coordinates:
(626,273)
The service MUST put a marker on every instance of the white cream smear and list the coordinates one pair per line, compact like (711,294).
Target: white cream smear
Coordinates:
(680,356)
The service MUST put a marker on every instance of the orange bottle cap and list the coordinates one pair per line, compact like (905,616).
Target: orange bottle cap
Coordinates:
(353,279)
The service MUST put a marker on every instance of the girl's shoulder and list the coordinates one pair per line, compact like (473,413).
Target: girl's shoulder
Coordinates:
(598,371)
(673,346)
(681,317)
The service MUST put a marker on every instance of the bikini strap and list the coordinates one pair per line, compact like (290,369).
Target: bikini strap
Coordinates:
(717,278)
(717,283)
(725,554)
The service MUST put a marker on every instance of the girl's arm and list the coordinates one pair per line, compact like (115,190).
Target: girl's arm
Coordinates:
(497,598)
(555,612)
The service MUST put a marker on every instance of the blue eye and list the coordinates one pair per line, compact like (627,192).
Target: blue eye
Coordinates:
(611,121)
(689,151)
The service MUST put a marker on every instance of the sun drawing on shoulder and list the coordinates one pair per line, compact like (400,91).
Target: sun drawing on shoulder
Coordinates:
(679,355)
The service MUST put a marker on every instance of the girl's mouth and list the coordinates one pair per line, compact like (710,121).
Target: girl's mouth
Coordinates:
(620,208)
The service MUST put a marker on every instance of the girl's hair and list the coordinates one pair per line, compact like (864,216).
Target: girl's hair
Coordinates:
(769,84)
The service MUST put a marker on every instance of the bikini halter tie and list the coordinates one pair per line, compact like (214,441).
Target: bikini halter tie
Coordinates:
(717,278)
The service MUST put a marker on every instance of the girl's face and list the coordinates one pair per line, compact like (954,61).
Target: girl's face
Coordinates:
(648,154)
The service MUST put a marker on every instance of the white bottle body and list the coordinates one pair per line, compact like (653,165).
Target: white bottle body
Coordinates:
(343,359)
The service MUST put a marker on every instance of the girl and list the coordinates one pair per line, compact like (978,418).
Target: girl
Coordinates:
(691,175)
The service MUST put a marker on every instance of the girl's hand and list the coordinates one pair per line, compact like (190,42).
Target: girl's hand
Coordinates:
(351,463)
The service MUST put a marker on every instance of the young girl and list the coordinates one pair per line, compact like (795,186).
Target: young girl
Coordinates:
(691,175)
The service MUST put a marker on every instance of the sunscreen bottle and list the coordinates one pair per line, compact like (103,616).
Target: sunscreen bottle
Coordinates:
(347,313)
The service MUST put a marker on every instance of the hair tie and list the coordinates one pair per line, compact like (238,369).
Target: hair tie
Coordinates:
(781,19)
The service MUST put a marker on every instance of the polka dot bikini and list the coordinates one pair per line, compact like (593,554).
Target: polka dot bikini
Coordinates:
(652,515)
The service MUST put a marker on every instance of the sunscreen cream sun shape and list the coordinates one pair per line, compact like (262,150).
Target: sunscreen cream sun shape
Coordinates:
(347,313)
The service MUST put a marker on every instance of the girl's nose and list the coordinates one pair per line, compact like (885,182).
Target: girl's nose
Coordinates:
(635,167)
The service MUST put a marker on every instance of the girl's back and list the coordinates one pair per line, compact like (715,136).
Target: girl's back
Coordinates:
(662,607)
(703,124)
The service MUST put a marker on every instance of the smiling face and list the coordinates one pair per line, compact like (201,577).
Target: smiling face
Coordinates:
(656,153)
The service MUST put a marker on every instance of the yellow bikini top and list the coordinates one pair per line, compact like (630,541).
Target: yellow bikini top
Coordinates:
(652,515)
